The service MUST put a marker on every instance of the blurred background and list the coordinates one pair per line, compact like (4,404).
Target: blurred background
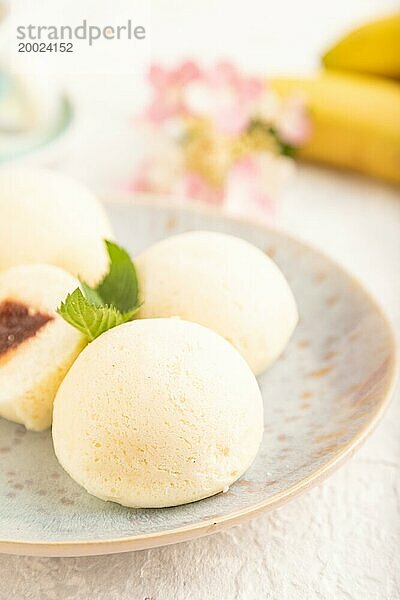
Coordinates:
(106,83)
(85,112)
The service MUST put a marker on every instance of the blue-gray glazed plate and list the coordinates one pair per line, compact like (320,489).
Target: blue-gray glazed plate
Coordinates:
(322,398)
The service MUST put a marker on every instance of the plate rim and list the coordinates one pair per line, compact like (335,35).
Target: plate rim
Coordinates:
(205,527)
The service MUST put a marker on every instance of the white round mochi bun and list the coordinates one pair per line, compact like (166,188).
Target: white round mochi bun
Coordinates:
(224,283)
(32,370)
(46,217)
(157,412)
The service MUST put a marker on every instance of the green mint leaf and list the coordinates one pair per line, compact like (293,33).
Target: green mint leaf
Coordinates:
(91,320)
(128,316)
(119,288)
(113,302)
(91,294)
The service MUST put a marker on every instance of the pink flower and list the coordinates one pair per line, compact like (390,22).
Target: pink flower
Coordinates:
(293,123)
(195,187)
(254,182)
(167,86)
(225,96)
(158,171)
(194,124)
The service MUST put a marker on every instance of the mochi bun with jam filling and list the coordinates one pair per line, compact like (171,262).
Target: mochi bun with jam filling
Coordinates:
(48,218)
(37,346)
(163,412)
(224,283)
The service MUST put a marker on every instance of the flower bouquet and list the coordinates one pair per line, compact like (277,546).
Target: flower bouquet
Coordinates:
(218,136)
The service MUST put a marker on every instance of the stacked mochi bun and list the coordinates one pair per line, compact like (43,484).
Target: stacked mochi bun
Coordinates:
(160,410)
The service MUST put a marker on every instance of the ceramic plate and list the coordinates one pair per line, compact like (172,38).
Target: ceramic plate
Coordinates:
(322,398)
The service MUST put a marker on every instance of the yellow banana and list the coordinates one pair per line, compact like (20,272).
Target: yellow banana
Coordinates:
(355,121)
(374,48)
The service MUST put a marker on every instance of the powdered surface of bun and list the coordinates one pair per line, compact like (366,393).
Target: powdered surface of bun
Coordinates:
(46,217)
(224,283)
(157,412)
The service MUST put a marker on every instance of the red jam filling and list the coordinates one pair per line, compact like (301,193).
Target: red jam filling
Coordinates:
(18,323)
